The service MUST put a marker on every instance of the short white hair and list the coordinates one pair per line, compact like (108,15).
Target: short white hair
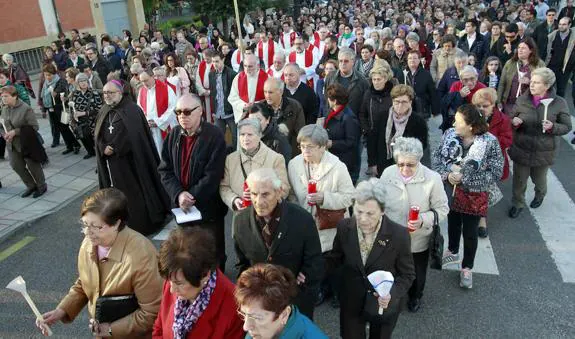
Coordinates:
(469,70)
(254,123)
(346,52)
(372,189)
(407,147)
(160,70)
(264,175)
(7,58)
(278,84)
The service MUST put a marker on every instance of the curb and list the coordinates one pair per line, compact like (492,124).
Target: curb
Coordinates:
(10,230)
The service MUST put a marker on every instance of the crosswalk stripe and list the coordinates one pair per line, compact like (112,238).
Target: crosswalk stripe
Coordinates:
(556,224)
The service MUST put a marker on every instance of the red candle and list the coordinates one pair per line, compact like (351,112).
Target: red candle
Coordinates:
(413,216)
(246,201)
(311,188)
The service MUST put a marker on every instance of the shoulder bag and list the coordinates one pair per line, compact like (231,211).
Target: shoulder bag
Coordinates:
(435,244)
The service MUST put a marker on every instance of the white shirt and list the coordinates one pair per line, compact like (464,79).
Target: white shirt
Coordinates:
(234,98)
(471,39)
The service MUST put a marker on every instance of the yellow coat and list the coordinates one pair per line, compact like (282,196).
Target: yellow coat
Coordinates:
(130,268)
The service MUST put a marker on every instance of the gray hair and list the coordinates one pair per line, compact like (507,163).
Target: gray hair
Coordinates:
(255,123)
(346,52)
(263,175)
(386,33)
(314,133)
(278,84)
(468,70)
(136,68)
(7,58)
(110,49)
(371,189)
(546,74)
(82,77)
(412,36)
(460,55)
(295,67)
(147,52)
(160,70)
(407,147)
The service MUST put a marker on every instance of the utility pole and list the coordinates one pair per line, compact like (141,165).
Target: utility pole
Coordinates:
(58,23)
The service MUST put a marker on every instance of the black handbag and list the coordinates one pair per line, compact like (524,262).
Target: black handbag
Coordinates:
(113,307)
(435,244)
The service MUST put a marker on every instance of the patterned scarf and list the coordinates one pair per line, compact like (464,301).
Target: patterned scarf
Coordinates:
(47,99)
(399,123)
(186,314)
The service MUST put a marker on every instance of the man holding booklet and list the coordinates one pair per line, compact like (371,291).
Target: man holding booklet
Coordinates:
(193,158)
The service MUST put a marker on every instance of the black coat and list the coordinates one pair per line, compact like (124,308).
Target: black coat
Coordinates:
(102,67)
(344,132)
(416,128)
(296,246)
(489,50)
(276,141)
(376,105)
(228,75)
(477,47)
(540,35)
(357,87)
(308,101)
(391,252)
(206,170)
(426,99)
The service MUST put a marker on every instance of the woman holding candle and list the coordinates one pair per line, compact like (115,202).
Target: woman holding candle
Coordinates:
(85,104)
(410,184)
(368,242)
(540,116)
(251,155)
(516,74)
(321,185)
(469,161)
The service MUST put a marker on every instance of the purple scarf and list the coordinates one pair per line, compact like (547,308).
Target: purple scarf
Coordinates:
(186,314)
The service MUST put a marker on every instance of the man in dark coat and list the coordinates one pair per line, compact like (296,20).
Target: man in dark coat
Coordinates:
(98,63)
(300,91)
(221,80)
(279,233)
(193,159)
(472,42)
(543,30)
(426,100)
(127,159)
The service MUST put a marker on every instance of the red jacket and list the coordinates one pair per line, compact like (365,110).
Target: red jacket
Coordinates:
(500,127)
(219,321)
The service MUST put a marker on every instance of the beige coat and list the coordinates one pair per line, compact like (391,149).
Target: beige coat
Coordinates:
(425,190)
(232,185)
(332,179)
(441,61)
(131,268)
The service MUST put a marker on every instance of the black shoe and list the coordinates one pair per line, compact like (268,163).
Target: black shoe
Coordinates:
(28,192)
(515,211)
(67,151)
(76,149)
(536,202)
(55,144)
(88,156)
(414,305)
(482,232)
(40,191)
(320,298)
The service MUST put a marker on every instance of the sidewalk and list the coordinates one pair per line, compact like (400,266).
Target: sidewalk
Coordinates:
(68,177)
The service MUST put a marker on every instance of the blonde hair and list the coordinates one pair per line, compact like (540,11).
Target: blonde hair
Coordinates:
(484,94)
(381,69)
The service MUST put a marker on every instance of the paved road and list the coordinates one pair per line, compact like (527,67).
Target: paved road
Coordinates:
(526,290)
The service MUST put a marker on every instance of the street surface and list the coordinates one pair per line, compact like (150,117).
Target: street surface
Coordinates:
(524,281)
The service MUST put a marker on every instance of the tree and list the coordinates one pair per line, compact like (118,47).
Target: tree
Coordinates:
(220,11)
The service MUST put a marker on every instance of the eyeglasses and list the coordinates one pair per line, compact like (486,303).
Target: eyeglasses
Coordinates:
(187,112)
(401,102)
(310,147)
(245,316)
(110,93)
(87,227)
(467,79)
(406,164)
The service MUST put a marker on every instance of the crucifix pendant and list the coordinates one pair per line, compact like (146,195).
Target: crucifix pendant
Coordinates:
(111,129)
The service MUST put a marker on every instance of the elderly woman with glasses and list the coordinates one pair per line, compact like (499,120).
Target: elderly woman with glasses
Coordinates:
(500,126)
(368,242)
(271,135)
(410,184)
(196,293)
(469,160)
(322,186)
(265,294)
(251,155)
(540,116)
(85,104)
(460,93)
(399,122)
(113,260)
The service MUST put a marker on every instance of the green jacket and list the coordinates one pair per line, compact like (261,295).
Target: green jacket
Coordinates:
(509,71)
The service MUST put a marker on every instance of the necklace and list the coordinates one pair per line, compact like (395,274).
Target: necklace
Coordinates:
(110,128)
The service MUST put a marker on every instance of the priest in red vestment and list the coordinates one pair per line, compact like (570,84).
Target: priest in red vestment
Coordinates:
(158,102)
(248,86)
(276,70)
(305,58)
(203,82)
(266,48)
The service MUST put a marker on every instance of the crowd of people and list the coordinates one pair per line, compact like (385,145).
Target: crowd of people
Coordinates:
(271,126)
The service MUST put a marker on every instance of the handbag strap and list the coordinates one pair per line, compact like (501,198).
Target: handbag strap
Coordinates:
(435,217)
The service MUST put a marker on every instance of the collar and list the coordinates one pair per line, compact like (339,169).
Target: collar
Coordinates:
(117,250)
(275,215)
(183,132)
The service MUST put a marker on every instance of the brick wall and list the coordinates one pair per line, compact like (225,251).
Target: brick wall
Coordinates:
(75,14)
(21,21)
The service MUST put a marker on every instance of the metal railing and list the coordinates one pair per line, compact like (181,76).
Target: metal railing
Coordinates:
(30,59)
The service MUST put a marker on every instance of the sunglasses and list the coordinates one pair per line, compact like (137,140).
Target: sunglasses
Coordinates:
(186,112)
